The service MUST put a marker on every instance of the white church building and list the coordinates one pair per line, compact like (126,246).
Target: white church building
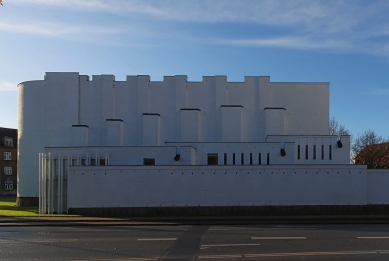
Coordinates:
(137,147)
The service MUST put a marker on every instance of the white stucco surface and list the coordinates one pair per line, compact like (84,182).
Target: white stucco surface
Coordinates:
(31,125)
(378,186)
(218,186)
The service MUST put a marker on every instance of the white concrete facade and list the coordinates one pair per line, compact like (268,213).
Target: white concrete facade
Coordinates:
(285,185)
(255,122)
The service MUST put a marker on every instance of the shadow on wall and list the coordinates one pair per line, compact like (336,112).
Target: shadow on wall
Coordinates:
(7,193)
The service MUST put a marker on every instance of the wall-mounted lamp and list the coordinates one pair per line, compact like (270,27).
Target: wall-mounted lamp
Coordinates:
(177,157)
(283,153)
(339,144)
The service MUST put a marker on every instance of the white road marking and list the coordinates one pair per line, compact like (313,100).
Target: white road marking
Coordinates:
(219,256)
(278,238)
(131,259)
(35,241)
(10,242)
(158,239)
(298,227)
(312,254)
(292,254)
(124,259)
(227,245)
(138,259)
(373,237)
(382,251)
(51,241)
(99,230)
(218,229)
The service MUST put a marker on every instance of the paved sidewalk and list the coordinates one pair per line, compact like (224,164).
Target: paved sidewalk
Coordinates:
(173,221)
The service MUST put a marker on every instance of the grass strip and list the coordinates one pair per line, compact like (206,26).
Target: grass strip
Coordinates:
(8,208)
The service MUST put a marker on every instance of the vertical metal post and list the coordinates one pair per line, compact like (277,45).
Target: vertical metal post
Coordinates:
(49,185)
(44,183)
(59,192)
(62,180)
(40,183)
(52,176)
(70,158)
(107,159)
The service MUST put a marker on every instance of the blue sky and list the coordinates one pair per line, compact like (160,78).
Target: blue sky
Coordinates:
(345,43)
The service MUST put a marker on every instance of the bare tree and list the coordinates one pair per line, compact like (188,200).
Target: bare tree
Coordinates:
(366,149)
(370,149)
(337,129)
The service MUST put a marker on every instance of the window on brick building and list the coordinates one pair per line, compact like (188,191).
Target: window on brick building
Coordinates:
(9,185)
(7,156)
(9,142)
(7,170)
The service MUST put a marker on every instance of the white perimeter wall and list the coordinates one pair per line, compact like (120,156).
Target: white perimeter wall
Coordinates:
(126,186)
(378,186)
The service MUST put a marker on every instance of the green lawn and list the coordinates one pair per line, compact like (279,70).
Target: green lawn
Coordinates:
(8,208)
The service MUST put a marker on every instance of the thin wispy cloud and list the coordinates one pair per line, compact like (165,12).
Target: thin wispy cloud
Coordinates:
(285,42)
(341,25)
(327,15)
(381,92)
(96,34)
(55,29)
(8,86)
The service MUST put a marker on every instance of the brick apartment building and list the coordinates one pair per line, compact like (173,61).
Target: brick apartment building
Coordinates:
(8,161)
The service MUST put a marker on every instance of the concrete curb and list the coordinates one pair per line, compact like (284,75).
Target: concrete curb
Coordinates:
(174,221)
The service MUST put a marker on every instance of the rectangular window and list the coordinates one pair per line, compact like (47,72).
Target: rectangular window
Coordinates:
(330,152)
(322,152)
(7,156)
(212,159)
(7,170)
(242,159)
(148,161)
(225,158)
(314,152)
(233,158)
(92,162)
(8,142)
(268,159)
(102,162)
(259,159)
(251,159)
(306,151)
(9,185)
(298,151)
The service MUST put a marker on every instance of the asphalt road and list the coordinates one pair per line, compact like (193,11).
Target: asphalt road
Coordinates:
(257,242)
